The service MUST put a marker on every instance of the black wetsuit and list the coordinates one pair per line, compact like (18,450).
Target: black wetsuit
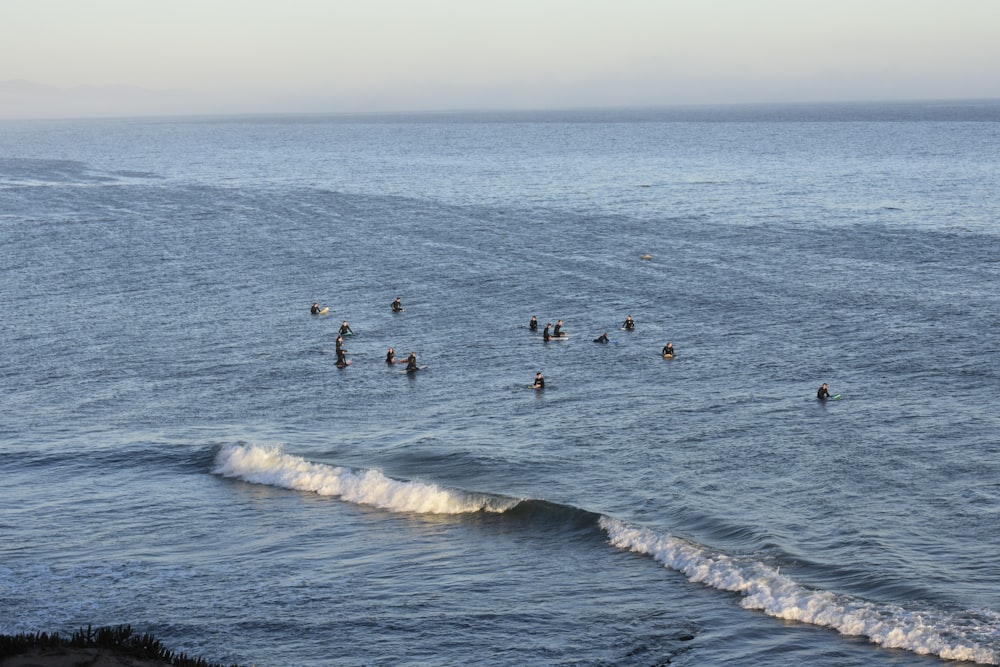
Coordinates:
(545,334)
(539,382)
(823,393)
(341,357)
(555,331)
(628,324)
(603,338)
(315,309)
(345,330)
(411,365)
(667,349)
(390,358)
(397,306)
(533,324)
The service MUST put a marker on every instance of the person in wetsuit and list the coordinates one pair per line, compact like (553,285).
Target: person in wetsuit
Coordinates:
(315,309)
(539,381)
(533,324)
(628,324)
(603,338)
(411,363)
(341,357)
(345,328)
(340,344)
(668,349)
(823,393)
(557,331)
(390,357)
(397,306)
(545,332)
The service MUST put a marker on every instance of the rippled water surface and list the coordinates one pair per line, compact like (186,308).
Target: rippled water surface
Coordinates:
(180,452)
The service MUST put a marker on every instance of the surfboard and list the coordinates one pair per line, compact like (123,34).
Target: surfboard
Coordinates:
(325,311)
(559,337)
(419,368)
(835,397)
(345,364)
(668,356)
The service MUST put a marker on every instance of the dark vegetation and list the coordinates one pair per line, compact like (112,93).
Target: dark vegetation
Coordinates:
(118,639)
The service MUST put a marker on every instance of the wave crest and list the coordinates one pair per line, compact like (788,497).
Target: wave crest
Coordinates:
(268,464)
(968,636)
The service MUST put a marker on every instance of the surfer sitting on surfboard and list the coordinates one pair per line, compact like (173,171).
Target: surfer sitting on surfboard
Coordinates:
(345,329)
(341,357)
(556,333)
(539,381)
(545,332)
(603,338)
(668,351)
(397,306)
(628,324)
(823,393)
(411,363)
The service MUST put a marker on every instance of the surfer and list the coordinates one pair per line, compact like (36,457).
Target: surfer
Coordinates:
(533,324)
(397,306)
(557,331)
(545,332)
(628,324)
(315,308)
(603,338)
(823,393)
(390,357)
(411,363)
(345,329)
(340,343)
(668,350)
(539,381)
(341,357)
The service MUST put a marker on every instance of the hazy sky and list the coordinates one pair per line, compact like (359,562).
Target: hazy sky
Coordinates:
(348,55)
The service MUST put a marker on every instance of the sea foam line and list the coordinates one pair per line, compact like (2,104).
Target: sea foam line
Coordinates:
(268,464)
(764,588)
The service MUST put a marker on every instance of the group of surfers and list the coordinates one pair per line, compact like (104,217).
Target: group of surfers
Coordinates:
(628,325)
(411,360)
(345,330)
(558,333)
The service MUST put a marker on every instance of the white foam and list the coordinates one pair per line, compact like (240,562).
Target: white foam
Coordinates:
(267,464)
(973,636)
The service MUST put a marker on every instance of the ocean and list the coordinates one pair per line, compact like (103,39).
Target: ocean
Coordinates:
(180,452)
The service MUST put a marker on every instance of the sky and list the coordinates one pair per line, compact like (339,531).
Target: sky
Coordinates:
(61,58)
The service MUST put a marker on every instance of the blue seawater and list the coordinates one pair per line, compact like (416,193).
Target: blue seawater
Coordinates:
(179,451)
